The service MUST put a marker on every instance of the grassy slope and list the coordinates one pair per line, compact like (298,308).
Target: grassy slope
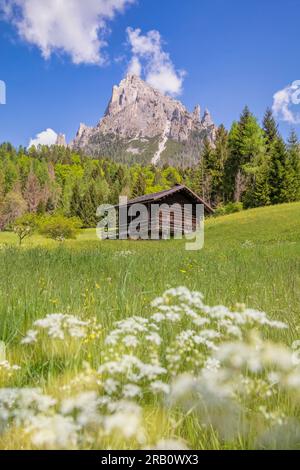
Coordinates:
(250,257)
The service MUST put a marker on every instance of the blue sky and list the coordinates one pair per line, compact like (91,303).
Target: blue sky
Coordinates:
(233,53)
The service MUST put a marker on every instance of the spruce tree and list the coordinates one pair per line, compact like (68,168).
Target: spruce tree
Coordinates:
(251,140)
(119,179)
(246,146)
(50,206)
(41,208)
(75,202)
(238,146)
(220,159)
(193,177)
(89,206)
(140,186)
(205,170)
(292,178)
(270,129)
(278,172)
(211,168)
(257,193)
(233,161)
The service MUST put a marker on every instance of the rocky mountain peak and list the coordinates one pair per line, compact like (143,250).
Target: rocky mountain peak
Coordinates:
(207,119)
(197,113)
(61,140)
(137,111)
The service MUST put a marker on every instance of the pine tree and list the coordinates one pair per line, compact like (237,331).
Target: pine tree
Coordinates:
(41,208)
(75,202)
(258,192)
(205,169)
(220,159)
(210,171)
(246,146)
(140,186)
(292,178)
(94,197)
(193,178)
(251,140)
(270,129)
(119,179)
(88,207)
(232,163)
(50,206)
(278,172)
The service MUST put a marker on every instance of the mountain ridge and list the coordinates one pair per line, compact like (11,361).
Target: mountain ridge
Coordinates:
(143,123)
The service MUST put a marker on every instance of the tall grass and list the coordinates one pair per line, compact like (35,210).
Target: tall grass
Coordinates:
(251,257)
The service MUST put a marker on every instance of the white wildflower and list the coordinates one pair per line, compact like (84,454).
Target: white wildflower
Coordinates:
(158,386)
(110,386)
(183,385)
(126,420)
(130,341)
(59,326)
(53,432)
(124,254)
(131,391)
(201,321)
(212,364)
(17,405)
(84,406)
(154,338)
(158,317)
(31,337)
(7,367)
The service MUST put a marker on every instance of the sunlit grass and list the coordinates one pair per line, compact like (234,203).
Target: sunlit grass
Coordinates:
(251,257)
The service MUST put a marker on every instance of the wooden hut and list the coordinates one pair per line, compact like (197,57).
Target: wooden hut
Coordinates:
(171,208)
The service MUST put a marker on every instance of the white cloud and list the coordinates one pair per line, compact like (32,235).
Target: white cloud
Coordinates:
(135,66)
(75,27)
(153,63)
(283,101)
(47,137)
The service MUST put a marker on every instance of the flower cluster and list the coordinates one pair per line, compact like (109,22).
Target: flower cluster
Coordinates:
(239,389)
(198,329)
(5,366)
(19,405)
(207,361)
(67,423)
(58,326)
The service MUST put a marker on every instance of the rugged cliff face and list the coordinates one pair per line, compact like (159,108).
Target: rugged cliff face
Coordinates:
(141,124)
(61,140)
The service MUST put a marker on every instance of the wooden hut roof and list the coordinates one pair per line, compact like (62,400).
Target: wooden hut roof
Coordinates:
(161,195)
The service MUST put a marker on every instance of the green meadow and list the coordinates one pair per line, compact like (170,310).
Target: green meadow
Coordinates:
(252,257)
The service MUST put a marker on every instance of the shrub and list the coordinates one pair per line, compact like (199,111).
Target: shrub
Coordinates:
(25,226)
(233,207)
(11,208)
(220,210)
(230,208)
(59,227)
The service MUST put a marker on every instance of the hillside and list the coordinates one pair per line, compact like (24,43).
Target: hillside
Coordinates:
(252,257)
